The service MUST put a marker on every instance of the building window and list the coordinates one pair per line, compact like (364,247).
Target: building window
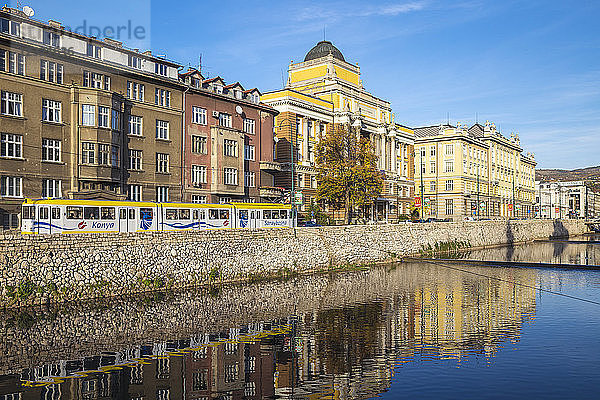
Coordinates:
(162,163)
(88,153)
(432,186)
(10,27)
(313,181)
(300,180)
(116,120)
(230,176)
(225,120)
(249,178)
(51,71)
(199,144)
(200,380)
(11,104)
(231,372)
(162,97)
(449,166)
(94,50)
(198,174)
(249,152)
(449,149)
(432,167)
(103,117)
(134,62)
(135,91)
(230,148)
(12,62)
(51,188)
(96,81)
(160,69)
(249,125)
(449,207)
(114,156)
(11,186)
(135,159)
(134,193)
(249,389)
(198,115)
(11,145)
(198,199)
(449,185)
(162,129)
(432,151)
(51,38)
(103,154)
(135,125)
(88,115)
(50,150)
(162,194)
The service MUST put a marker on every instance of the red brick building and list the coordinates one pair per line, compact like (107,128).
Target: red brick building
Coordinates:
(227,142)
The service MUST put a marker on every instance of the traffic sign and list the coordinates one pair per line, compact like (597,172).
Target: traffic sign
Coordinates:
(298,198)
(417,201)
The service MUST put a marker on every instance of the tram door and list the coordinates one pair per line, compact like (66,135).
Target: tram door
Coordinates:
(127,222)
(253,217)
(44,223)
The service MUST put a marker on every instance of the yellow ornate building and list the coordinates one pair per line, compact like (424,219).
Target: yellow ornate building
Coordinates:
(325,91)
(474,172)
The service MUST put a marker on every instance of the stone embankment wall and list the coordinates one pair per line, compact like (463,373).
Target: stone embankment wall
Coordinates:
(36,269)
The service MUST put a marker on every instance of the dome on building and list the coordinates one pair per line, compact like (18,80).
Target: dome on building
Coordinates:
(322,49)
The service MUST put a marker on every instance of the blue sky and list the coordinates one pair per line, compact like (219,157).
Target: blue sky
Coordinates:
(532,67)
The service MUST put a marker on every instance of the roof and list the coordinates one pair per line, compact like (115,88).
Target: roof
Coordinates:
(427,131)
(216,78)
(323,49)
(232,85)
(477,130)
(252,90)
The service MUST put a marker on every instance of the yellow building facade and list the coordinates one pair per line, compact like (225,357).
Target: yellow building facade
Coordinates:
(334,96)
(475,172)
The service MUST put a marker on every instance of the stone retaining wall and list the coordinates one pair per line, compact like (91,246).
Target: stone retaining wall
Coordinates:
(36,269)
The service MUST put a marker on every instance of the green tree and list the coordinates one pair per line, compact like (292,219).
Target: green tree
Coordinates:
(348,174)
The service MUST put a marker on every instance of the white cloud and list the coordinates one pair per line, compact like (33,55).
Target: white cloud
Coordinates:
(343,11)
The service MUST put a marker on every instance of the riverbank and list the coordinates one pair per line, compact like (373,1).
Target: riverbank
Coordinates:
(39,269)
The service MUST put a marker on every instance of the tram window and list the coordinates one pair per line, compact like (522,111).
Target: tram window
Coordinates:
(28,212)
(202,214)
(243,214)
(44,213)
(213,214)
(223,214)
(252,214)
(146,214)
(184,213)
(55,213)
(171,214)
(266,214)
(132,213)
(283,214)
(107,212)
(91,212)
(123,213)
(195,214)
(74,212)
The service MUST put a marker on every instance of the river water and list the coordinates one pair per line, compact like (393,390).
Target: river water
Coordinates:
(407,330)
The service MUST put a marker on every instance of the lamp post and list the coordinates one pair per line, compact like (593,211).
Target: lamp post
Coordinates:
(422,188)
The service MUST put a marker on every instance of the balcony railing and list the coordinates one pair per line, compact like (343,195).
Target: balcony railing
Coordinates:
(270,166)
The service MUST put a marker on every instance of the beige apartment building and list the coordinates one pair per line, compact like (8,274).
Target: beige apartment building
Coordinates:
(324,91)
(475,172)
(83,118)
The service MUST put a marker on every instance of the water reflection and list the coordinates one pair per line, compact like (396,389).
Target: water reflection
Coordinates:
(348,334)
(557,252)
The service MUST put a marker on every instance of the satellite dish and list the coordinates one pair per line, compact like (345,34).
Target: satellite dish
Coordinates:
(238,109)
(28,11)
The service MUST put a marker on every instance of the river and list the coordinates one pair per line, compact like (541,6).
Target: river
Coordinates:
(418,330)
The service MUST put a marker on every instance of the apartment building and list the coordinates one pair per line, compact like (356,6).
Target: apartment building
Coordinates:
(324,91)
(84,118)
(228,142)
(474,172)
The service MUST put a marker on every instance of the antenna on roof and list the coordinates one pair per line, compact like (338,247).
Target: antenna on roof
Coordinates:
(447,118)
(28,11)
(476,117)
(324,28)
(200,63)
(282,80)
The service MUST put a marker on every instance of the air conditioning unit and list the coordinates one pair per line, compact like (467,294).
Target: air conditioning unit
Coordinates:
(216,114)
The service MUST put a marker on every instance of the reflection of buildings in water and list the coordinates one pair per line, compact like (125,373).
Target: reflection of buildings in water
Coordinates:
(557,253)
(347,352)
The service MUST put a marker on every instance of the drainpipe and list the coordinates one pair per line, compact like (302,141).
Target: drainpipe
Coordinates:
(183,122)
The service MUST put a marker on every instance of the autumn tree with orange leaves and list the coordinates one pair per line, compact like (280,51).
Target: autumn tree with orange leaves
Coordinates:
(348,175)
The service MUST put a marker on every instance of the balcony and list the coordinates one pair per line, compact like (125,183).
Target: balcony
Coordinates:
(270,166)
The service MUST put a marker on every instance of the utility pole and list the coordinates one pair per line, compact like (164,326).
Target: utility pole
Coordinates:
(478,192)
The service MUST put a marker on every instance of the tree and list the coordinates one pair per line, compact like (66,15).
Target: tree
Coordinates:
(348,175)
